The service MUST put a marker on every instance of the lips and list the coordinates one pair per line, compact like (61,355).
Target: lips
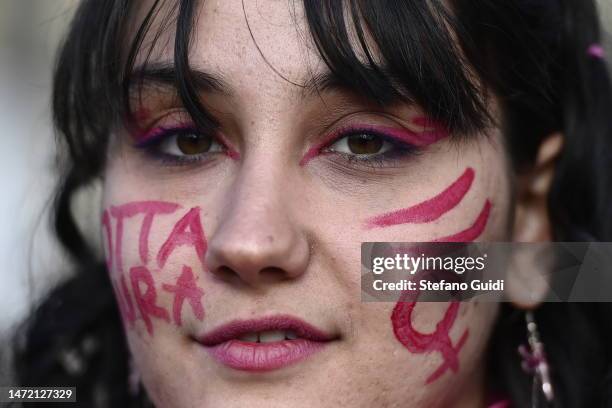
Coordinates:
(264,344)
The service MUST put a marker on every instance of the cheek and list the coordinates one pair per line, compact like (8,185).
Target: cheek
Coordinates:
(436,207)
(437,341)
(464,197)
(430,349)
(144,241)
(448,339)
(473,206)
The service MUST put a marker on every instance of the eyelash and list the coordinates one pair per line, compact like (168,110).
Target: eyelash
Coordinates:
(156,137)
(399,150)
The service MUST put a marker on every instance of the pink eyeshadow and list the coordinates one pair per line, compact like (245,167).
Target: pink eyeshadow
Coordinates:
(418,139)
(427,122)
(145,137)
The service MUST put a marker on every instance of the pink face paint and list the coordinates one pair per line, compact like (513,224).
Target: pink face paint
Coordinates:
(233,155)
(150,209)
(186,288)
(314,151)
(156,134)
(124,301)
(474,231)
(230,150)
(417,139)
(187,231)
(428,210)
(439,341)
(146,301)
(426,122)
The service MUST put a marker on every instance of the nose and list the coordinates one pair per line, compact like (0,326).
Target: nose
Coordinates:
(257,241)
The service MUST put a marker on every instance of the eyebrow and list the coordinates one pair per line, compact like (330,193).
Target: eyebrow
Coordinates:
(324,81)
(166,74)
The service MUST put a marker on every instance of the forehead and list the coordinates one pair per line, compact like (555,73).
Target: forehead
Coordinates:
(250,43)
(263,51)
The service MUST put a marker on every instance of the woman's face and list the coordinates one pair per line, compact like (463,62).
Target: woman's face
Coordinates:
(236,256)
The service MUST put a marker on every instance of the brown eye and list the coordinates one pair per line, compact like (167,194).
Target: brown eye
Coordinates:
(188,144)
(192,144)
(364,144)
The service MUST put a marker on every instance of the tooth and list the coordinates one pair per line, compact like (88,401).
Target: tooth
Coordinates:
(271,336)
(290,335)
(249,337)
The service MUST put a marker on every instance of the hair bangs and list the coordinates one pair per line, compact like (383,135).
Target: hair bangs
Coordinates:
(400,51)
(177,73)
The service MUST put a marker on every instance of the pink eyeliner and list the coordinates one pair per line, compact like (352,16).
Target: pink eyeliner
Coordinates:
(151,136)
(230,152)
(418,139)
(316,150)
(428,210)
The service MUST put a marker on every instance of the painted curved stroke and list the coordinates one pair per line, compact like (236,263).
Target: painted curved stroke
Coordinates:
(429,210)
(439,340)
(473,231)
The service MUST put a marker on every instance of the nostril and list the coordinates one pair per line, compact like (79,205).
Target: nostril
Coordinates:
(273,274)
(246,257)
(225,273)
(261,276)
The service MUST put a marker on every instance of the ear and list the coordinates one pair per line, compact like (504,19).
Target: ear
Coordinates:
(528,278)
(531,222)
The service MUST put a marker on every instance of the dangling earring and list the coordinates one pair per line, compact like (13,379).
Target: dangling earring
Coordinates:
(535,362)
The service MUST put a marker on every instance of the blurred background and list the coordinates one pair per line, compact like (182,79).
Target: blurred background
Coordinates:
(30,31)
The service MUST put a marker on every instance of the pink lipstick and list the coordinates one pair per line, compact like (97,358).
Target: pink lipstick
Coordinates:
(264,344)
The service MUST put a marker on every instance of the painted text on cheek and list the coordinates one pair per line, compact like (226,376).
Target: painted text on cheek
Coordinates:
(438,341)
(401,318)
(139,299)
